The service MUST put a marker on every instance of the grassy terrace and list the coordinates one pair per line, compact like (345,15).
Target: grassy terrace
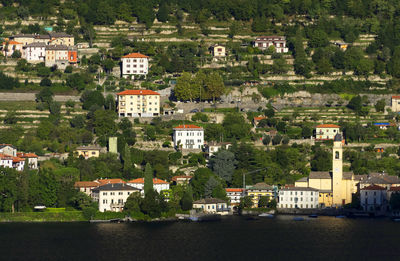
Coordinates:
(66,216)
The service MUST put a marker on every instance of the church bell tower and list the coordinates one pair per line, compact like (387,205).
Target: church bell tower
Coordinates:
(337,171)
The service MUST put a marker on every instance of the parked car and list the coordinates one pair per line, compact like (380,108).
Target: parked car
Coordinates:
(194,111)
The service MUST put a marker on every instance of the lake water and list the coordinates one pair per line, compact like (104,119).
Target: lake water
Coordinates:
(233,238)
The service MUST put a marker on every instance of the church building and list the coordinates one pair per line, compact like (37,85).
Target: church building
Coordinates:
(335,187)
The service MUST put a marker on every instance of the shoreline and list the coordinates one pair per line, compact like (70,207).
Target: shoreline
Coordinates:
(253,215)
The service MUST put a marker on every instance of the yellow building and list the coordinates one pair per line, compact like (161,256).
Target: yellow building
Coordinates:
(91,151)
(335,187)
(59,38)
(138,103)
(219,51)
(260,190)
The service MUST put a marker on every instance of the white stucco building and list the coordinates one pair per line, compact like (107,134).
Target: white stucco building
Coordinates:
(8,149)
(6,161)
(297,197)
(234,195)
(9,47)
(218,51)
(34,52)
(188,137)
(326,131)
(395,103)
(373,198)
(112,197)
(278,42)
(138,103)
(212,205)
(31,157)
(135,64)
(158,184)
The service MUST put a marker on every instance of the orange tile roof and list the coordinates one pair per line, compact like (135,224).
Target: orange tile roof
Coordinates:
(259,118)
(138,92)
(135,55)
(394,188)
(175,178)
(85,184)
(395,97)
(374,187)
(11,42)
(5,156)
(17,159)
(188,126)
(234,190)
(155,181)
(109,181)
(328,126)
(26,155)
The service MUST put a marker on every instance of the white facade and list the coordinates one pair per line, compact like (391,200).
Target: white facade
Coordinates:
(219,51)
(214,147)
(135,64)
(35,52)
(373,198)
(188,137)
(326,131)
(6,161)
(158,184)
(294,197)
(8,149)
(234,195)
(279,43)
(395,103)
(138,103)
(112,197)
(211,205)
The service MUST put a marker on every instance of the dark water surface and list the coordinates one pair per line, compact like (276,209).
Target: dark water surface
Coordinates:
(233,238)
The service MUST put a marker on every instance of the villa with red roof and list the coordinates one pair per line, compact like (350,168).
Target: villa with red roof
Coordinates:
(395,103)
(158,184)
(10,46)
(326,131)
(188,136)
(373,198)
(138,103)
(234,195)
(134,64)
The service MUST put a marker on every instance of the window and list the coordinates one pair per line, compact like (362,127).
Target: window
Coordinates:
(336,154)
(93,153)
(104,193)
(120,193)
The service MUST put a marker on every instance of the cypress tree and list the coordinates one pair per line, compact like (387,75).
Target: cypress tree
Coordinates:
(148,178)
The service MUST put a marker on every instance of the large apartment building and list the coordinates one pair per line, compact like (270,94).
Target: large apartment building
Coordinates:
(135,64)
(138,103)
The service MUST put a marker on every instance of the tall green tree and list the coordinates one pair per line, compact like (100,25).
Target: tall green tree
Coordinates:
(223,164)
(148,179)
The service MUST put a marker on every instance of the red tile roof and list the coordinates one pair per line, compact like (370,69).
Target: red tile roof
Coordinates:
(175,178)
(394,188)
(109,181)
(138,92)
(8,157)
(26,155)
(328,126)
(11,42)
(188,126)
(155,181)
(373,187)
(395,97)
(135,55)
(85,184)
(234,190)
(259,118)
